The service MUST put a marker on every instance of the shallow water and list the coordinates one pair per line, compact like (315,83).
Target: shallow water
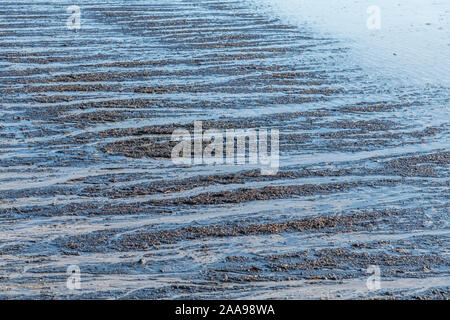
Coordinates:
(364,154)
(411,44)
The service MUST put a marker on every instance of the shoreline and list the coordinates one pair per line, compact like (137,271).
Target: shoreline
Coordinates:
(86,177)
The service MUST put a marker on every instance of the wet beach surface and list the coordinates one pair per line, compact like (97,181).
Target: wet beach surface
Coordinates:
(86,177)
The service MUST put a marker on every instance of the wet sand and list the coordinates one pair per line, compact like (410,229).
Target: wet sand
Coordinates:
(86,177)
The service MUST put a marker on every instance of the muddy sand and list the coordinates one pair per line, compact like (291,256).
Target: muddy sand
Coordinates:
(86,177)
